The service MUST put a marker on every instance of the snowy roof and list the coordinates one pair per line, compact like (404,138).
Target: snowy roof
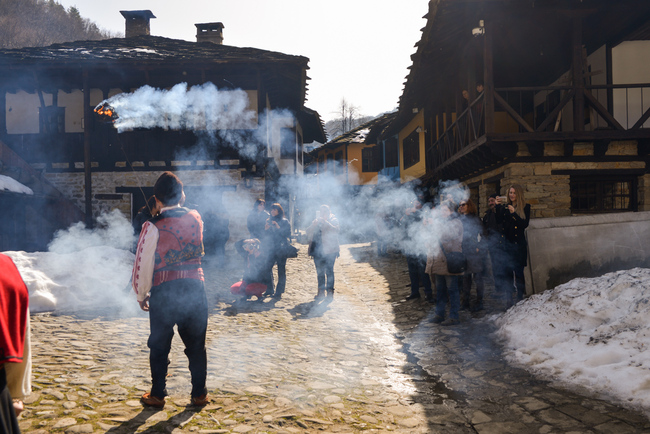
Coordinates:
(9,184)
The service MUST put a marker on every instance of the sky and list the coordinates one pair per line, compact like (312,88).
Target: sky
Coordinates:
(359,50)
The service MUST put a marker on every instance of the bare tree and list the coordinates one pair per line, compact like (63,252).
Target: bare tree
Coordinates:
(348,118)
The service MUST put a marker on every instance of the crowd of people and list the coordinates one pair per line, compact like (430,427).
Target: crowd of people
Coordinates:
(449,249)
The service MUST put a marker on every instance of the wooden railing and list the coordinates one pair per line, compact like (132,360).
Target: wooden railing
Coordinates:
(532,110)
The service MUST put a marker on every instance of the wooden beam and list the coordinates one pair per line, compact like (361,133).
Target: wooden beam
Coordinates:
(521,121)
(88,113)
(642,120)
(553,115)
(578,79)
(592,101)
(488,76)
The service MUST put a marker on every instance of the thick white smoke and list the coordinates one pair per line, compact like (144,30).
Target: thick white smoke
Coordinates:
(201,107)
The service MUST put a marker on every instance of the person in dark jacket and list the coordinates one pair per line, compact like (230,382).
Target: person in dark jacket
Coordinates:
(495,242)
(277,231)
(473,248)
(515,217)
(148,211)
(416,261)
(257,219)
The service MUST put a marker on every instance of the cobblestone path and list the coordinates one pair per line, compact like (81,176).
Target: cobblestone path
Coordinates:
(367,361)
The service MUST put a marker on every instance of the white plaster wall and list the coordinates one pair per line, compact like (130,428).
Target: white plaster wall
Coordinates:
(630,65)
(22,112)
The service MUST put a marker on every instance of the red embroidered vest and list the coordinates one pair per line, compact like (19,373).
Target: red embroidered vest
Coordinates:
(180,245)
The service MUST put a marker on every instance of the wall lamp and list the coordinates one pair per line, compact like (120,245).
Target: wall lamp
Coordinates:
(480,30)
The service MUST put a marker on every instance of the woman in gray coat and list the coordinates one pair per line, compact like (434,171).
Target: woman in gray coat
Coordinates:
(447,284)
(323,234)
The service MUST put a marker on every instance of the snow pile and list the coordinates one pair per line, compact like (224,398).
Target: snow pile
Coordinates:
(92,278)
(593,333)
(83,270)
(7,183)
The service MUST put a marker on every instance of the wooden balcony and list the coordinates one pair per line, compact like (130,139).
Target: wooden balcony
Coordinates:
(475,142)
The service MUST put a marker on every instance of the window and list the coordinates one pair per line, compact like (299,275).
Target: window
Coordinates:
(338,161)
(51,119)
(287,143)
(590,194)
(392,152)
(329,164)
(411,147)
(321,165)
(370,159)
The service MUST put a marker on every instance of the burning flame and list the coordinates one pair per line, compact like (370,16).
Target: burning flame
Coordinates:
(106,111)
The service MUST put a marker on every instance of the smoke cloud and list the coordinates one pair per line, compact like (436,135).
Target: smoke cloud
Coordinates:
(201,107)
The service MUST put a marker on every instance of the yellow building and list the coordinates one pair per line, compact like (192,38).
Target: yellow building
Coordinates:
(353,158)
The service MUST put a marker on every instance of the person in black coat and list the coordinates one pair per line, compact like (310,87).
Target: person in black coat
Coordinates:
(416,260)
(495,241)
(257,219)
(474,250)
(277,231)
(515,217)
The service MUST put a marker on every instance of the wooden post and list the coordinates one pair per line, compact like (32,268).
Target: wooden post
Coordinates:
(3,112)
(88,113)
(488,76)
(578,78)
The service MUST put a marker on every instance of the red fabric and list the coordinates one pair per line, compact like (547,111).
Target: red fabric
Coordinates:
(180,243)
(14,299)
(249,289)
(165,276)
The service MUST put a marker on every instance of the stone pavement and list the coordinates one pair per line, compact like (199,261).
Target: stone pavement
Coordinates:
(367,361)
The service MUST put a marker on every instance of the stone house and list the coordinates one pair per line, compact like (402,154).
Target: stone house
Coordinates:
(47,97)
(551,95)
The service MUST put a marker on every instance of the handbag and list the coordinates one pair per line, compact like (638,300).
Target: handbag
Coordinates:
(456,261)
(289,251)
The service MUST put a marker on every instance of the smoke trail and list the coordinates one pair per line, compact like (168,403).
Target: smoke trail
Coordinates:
(201,107)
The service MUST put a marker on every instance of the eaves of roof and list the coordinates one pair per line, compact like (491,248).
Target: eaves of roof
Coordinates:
(147,49)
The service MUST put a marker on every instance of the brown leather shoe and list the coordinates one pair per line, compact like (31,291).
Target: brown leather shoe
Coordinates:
(153,401)
(201,401)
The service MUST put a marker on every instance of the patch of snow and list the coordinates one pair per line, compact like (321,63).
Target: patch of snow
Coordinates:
(592,333)
(7,183)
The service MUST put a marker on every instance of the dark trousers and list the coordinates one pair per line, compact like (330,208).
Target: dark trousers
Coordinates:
(468,278)
(447,289)
(183,303)
(281,261)
(325,270)
(417,266)
(8,420)
(514,267)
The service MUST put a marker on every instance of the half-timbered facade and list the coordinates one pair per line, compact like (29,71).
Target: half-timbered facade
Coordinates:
(553,95)
(47,97)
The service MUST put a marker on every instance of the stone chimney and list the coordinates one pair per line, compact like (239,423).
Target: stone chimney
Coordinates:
(210,32)
(137,22)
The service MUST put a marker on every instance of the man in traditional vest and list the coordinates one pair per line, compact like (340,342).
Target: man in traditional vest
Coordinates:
(168,280)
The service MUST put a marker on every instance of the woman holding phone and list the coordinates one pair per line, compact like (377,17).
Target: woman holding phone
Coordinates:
(514,214)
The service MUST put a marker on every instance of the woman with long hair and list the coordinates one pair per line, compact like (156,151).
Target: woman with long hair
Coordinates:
(474,253)
(277,231)
(515,217)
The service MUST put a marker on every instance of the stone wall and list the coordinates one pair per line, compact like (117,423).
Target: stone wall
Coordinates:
(549,194)
(240,199)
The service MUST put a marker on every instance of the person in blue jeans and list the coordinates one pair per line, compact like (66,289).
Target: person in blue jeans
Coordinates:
(449,236)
